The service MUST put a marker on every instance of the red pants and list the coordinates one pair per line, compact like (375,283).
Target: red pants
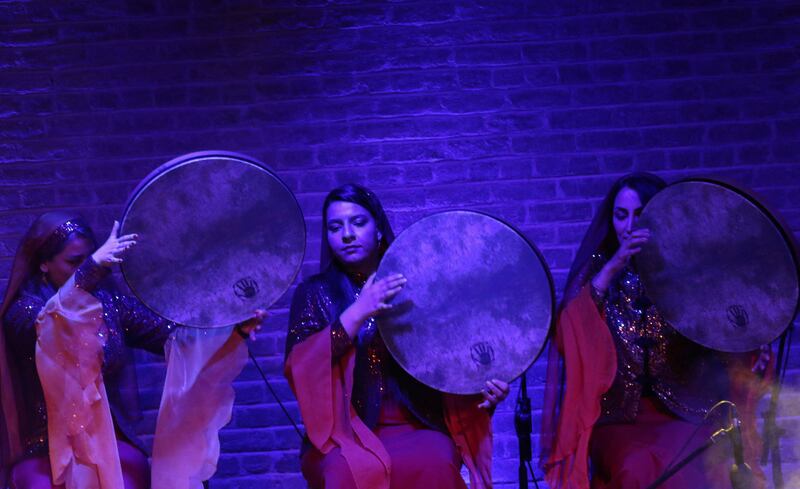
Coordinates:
(633,456)
(420,457)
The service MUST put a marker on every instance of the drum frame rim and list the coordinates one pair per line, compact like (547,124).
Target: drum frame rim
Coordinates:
(175,163)
(788,238)
(543,262)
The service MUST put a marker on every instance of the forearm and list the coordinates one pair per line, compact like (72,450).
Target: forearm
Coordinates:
(352,320)
(90,274)
(601,281)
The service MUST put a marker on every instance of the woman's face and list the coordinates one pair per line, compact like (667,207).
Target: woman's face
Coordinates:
(627,208)
(60,267)
(353,236)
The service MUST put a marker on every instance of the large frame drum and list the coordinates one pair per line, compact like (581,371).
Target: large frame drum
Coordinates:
(219,236)
(478,303)
(719,267)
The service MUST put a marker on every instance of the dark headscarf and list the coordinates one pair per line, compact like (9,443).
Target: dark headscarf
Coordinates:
(599,238)
(46,237)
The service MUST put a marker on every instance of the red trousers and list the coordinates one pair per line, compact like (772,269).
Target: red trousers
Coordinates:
(420,457)
(634,455)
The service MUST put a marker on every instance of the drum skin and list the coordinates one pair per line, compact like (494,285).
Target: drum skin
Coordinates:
(219,236)
(718,266)
(477,305)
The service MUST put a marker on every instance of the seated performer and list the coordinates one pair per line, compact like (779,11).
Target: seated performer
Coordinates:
(369,424)
(636,392)
(71,366)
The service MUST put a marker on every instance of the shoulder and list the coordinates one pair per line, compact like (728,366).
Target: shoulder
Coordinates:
(317,284)
(24,307)
(27,301)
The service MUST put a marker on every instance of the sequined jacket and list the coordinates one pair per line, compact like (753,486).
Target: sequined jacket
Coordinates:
(316,306)
(685,377)
(127,323)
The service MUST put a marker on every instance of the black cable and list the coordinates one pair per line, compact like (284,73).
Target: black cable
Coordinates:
(274,394)
(694,433)
(533,475)
(673,468)
(787,354)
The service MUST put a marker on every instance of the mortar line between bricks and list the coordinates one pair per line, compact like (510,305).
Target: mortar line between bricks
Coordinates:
(538,179)
(400,95)
(455,22)
(398,71)
(470,136)
(505,108)
(488,43)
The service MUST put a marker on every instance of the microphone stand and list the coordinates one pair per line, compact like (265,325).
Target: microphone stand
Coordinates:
(772,433)
(523,427)
(741,476)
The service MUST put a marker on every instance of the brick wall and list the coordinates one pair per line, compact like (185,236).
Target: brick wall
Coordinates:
(524,109)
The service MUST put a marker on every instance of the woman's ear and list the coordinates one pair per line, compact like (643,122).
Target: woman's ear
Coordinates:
(43,267)
(380,236)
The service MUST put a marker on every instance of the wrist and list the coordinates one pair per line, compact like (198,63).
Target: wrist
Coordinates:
(100,262)
(89,274)
(241,332)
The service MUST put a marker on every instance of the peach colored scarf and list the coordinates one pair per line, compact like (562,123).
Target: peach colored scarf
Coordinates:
(69,359)
(197,400)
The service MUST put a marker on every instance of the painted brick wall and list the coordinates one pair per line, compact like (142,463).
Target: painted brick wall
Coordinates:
(524,109)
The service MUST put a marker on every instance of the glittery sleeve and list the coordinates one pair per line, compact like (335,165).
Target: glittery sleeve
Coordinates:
(89,274)
(20,323)
(340,340)
(309,314)
(143,328)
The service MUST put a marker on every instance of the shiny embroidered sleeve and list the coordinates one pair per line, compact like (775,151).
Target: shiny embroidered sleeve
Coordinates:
(20,324)
(89,275)
(309,315)
(143,328)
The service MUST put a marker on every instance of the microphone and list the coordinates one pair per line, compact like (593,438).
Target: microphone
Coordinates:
(736,439)
(741,474)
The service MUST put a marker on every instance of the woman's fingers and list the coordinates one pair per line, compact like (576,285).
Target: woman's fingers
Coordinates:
(392,292)
(493,389)
(114,229)
(392,281)
(396,279)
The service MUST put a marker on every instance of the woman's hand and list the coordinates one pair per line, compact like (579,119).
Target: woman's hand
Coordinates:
(493,394)
(631,245)
(372,300)
(111,251)
(247,329)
